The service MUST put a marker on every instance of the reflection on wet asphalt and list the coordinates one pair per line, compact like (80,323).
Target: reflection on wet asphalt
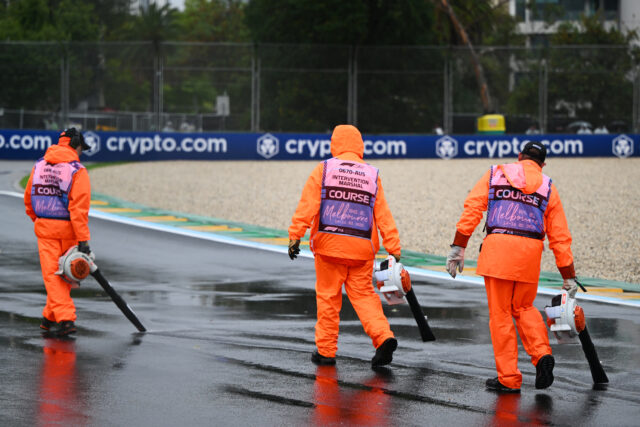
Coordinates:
(230,336)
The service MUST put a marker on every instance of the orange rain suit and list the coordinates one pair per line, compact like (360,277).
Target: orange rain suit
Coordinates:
(56,236)
(342,258)
(510,265)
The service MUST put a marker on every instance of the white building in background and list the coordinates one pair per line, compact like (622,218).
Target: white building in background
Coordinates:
(621,14)
(144,4)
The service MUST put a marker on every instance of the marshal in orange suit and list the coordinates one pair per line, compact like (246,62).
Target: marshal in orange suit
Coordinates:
(523,207)
(344,205)
(57,198)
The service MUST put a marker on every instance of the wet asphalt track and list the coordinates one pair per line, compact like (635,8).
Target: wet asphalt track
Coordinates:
(231,333)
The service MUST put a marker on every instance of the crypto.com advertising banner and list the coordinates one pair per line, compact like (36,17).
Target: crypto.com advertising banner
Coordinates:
(140,146)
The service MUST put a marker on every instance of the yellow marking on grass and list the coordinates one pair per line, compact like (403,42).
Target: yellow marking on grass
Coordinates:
(277,240)
(629,295)
(212,228)
(118,210)
(161,218)
(613,293)
(468,271)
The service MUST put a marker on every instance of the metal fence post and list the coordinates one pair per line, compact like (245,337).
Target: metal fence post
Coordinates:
(157,90)
(635,101)
(255,89)
(160,89)
(445,97)
(258,71)
(542,96)
(60,119)
(354,88)
(349,85)
(64,90)
(447,115)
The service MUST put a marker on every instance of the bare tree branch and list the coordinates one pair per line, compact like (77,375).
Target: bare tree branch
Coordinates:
(485,96)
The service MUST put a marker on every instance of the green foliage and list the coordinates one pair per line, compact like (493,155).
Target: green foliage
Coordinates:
(397,88)
(594,80)
(486,22)
(33,81)
(343,22)
(312,94)
(30,75)
(306,50)
(42,20)
(213,21)
(590,31)
(589,69)
(156,24)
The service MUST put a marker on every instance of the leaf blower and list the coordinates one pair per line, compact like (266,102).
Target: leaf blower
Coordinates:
(74,266)
(566,320)
(394,282)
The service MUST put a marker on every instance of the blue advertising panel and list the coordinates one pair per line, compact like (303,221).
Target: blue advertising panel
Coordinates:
(140,146)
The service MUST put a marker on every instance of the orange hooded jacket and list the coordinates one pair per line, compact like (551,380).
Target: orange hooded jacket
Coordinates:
(77,228)
(346,144)
(513,257)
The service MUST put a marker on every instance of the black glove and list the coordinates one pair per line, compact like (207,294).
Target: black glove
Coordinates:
(84,247)
(294,248)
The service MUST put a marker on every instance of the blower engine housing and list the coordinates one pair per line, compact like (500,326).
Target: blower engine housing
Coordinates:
(74,266)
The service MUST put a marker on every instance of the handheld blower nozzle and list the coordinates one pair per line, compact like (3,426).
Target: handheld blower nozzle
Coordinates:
(74,266)
(393,280)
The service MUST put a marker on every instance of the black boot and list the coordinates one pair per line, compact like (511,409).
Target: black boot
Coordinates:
(47,324)
(384,353)
(544,371)
(321,360)
(66,327)
(494,384)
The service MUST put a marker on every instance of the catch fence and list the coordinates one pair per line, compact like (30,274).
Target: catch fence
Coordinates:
(209,87)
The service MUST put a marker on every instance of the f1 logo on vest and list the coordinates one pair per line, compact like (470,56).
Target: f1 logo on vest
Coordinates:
(446,147)
(268,146)
(93,140)
(622,146)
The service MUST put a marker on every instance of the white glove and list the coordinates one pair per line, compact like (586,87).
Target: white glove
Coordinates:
(571,286)
(455,259)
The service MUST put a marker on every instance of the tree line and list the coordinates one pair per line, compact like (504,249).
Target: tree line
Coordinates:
(598,83)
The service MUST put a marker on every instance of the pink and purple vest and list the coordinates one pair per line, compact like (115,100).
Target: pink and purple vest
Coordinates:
(513,212)
(50,188)
(348,195)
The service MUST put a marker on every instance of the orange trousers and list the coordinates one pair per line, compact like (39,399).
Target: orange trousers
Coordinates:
(59,306)
(357,280)
(509,300)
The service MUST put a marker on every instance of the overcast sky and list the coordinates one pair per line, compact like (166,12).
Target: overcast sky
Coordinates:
(178,4)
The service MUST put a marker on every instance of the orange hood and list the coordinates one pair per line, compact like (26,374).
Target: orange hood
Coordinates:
(346,139)
(527,179)
(61,153)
